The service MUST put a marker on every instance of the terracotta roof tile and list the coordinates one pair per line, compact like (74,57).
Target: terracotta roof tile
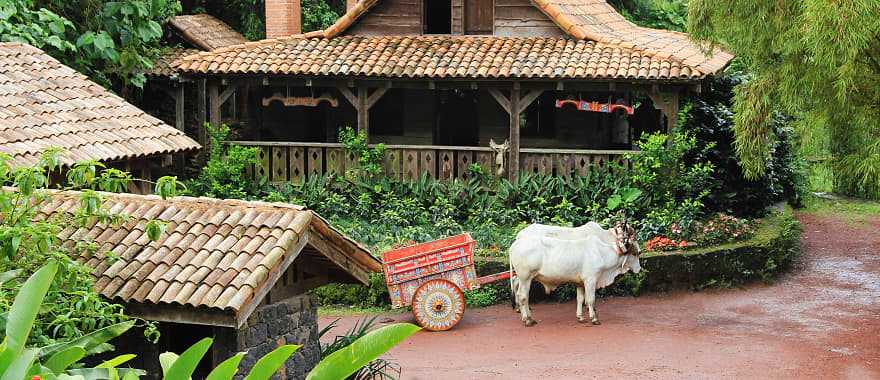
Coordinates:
(592,20)
(205,31)
(224,273)
(45,104)
(430,57)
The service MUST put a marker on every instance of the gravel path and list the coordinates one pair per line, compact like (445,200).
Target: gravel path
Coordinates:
(820,321)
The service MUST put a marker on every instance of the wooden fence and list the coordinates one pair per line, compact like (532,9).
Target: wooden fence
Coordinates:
(295,161)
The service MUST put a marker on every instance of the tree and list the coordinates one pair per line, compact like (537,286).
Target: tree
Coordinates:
(113,42)
(818,60)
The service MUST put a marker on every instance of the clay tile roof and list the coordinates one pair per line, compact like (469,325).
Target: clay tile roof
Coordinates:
(206,32)
(218,260)
(45,104)
(598,21)
(162,66)
(433,56)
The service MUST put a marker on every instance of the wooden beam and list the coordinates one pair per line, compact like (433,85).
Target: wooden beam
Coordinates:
(202,111)
(179,109)
(376,95)
(528,98)
(513,160)
(348,95)
(501,99)
(363,112)
(224,96)
(181,314)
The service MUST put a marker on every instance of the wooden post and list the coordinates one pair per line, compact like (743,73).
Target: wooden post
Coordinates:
(179,107)
(363,110)
(672,112)
(513,160)
(213,111)
(202,111)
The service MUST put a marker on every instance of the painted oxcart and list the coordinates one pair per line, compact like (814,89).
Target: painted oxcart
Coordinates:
(432,277)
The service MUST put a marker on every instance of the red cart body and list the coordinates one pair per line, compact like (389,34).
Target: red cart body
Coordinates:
(407,268)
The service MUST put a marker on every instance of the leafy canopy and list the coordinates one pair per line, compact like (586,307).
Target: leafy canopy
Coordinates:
(816,59)
(113,42)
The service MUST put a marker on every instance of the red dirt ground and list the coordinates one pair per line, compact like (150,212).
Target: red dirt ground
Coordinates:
(820,321)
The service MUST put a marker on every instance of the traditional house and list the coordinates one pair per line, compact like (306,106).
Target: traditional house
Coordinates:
(234,270)
(567,83)
(45,104)
(189,34)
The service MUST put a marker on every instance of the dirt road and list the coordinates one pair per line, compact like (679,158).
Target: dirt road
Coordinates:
(820,321)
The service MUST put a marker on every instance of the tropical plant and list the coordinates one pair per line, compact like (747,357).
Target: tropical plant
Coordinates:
(113,42)
(818,60)
(61,360)
(348,360)
(57,361)
(377,368)
(30,239)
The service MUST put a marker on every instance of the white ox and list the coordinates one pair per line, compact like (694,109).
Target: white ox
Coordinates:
(588,256)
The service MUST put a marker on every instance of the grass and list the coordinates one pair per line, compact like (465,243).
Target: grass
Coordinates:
(344,311)
(854,210)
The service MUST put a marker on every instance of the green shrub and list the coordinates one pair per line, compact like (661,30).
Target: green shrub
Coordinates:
(225,173)
(710,118)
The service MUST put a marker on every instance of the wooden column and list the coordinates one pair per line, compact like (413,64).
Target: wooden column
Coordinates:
(514,113)
(202,110)
(214,104)
(362,102)
(363,110)
(667,103)
(179,107)
(514,105)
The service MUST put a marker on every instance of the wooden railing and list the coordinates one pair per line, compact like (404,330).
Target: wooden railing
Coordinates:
(296,161)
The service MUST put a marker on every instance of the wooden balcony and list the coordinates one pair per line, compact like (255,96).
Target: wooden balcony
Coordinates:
(296,161)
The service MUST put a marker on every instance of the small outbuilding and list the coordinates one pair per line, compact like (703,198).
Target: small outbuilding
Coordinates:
(234,270)
(45,104)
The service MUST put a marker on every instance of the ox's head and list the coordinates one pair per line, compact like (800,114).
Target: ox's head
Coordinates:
(626,239)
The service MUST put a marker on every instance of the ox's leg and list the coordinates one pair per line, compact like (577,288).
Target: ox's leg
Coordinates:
(514,290)
(522,297)
(580,304)
(590,290)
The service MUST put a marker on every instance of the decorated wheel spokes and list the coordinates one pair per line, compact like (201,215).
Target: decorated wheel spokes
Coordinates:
(438,305)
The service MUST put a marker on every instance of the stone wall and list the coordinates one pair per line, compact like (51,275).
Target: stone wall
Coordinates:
(290,321)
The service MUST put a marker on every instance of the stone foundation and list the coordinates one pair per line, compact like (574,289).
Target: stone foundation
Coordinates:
(290,321)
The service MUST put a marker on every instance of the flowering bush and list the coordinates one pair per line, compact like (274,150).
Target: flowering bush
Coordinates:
(662,243)
(722,228)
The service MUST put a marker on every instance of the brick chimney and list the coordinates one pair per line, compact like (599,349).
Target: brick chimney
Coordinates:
(283,18)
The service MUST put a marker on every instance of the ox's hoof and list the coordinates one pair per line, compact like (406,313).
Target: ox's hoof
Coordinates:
(529,322)
(596,322)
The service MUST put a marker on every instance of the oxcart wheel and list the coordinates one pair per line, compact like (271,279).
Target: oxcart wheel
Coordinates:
(438,305)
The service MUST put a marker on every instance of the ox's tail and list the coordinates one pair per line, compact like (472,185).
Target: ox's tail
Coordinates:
(512,288)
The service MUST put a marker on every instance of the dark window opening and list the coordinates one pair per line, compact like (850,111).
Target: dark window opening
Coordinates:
(478,17)
(540,117)
(438,16)
(457,121)
(386,118)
